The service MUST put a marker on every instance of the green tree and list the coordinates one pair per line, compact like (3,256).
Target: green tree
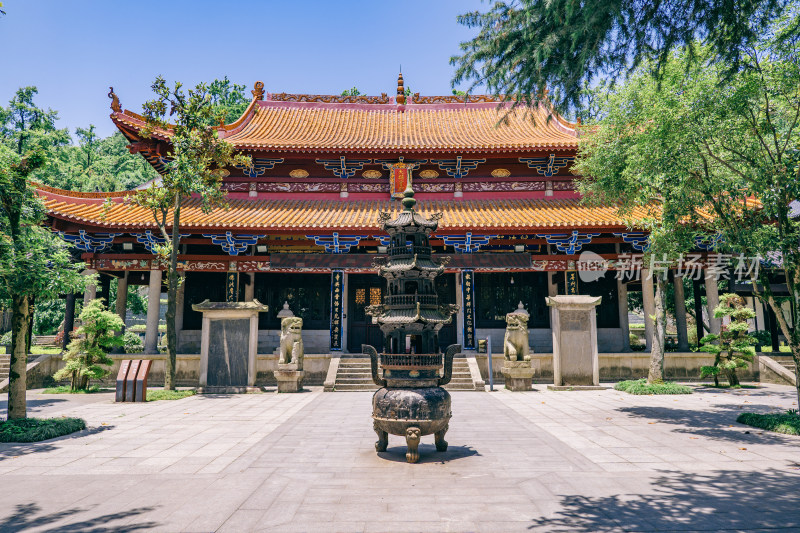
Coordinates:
(729,147)
(523,47)
(733,347)
(35,265)
(86,357)
(229,99)
(197,158)
(353,91)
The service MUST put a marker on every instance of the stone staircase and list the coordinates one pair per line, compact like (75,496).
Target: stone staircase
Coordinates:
(462,379)
(353,374)
(785,361)
(5,366)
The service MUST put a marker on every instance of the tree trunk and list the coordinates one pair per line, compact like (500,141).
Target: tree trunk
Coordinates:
(656,372)
(792,336)
(172,299)
(20,323)
(29,336)
(733,379)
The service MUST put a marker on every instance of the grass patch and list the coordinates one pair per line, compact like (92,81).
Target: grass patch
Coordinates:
(159,394)
(788,423)
(66,389)
(640,386)
(38,429)
(45,349)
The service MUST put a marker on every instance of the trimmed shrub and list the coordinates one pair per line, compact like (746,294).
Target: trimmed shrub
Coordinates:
(640,386)
(38,429)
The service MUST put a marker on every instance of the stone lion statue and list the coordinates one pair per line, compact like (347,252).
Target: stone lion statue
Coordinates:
(515,343)
(291,346)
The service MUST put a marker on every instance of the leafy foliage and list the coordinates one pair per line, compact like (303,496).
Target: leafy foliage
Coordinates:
(228,99)
(133,342)
(724,146)
(35,265)
(733,347)
(641,387)
(86,357)
(523,47)
(197,160)
(788,423)
(38,429)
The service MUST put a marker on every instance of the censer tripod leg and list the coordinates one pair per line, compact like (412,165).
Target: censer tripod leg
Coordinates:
(441,444)
(412,441)
(383,439)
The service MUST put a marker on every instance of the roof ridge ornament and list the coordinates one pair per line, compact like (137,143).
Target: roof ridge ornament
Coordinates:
(401,92)
(258,90)
(115,106)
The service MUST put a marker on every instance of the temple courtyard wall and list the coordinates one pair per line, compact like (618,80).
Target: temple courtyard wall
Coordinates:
(613,367)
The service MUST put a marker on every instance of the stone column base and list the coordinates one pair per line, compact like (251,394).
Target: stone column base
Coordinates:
(289,378)
(518,375)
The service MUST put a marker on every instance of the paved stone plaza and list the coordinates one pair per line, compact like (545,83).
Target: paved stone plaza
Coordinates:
(550,461)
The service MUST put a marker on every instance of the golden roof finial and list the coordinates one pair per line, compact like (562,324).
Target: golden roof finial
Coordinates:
(401,92)
(258,90)
(115,107)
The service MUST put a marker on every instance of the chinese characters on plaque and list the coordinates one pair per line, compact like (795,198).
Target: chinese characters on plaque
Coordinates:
(337,278)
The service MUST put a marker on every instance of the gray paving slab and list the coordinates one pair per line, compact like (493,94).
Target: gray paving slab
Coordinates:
(530,461)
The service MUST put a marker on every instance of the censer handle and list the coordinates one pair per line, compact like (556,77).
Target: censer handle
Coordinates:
(373,364)
(451,351)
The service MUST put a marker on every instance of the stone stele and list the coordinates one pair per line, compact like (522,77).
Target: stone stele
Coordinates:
(516,368)
(290,355)
(228,345)
(574,325)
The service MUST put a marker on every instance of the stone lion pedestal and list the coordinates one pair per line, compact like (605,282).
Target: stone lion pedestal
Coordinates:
(290,372)
(574,325)
(516,369)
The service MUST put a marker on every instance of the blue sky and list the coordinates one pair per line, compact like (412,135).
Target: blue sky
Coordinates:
(73,51)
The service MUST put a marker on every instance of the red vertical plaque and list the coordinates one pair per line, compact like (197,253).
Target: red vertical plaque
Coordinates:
(399,178)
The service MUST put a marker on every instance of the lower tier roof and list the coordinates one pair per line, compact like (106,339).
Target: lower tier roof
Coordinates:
(110,211)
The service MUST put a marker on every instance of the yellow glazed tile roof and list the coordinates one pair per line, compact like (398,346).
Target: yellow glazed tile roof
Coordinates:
(310,216)
(358,127)
(384,128)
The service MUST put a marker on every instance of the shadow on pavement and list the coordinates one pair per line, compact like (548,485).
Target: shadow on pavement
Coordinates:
(428,454)
(33,406)
(717,423)
(713,501)
(9,450)
(28,516)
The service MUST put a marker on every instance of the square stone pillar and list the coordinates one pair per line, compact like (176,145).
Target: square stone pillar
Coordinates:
(680,315)
(121,305)
(575,360)
(712,297)
(90,292)
(228,345)
(624,325)
(649,307)
(153,312)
